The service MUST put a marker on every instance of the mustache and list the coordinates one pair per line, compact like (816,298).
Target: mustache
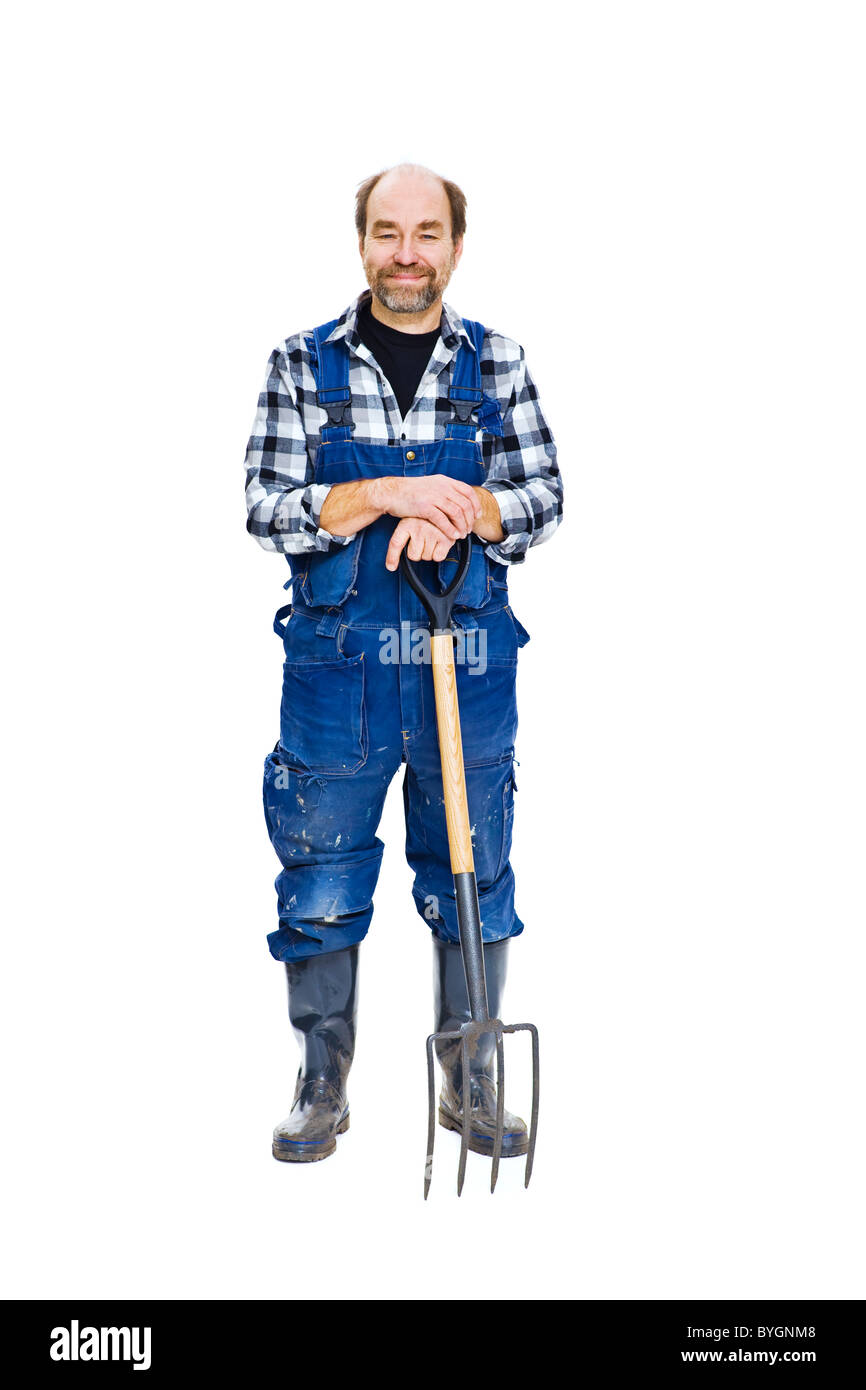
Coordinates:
(407,270)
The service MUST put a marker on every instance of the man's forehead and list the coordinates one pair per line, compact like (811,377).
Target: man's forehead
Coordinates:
(418,200)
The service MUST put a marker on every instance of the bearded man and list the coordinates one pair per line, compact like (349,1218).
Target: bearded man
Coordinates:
(398,424)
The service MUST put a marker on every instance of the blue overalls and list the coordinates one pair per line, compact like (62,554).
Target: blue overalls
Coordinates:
(358,700)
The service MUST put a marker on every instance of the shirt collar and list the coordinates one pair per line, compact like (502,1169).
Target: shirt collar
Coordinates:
(453,330)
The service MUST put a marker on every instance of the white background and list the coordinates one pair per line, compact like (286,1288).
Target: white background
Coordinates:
(666,208)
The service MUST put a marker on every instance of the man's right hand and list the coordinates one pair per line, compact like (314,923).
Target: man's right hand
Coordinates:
(450,505)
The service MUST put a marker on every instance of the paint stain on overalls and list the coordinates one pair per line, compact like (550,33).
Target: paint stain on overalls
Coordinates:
(349,718)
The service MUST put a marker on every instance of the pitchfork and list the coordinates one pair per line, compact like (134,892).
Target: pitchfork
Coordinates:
(438,608)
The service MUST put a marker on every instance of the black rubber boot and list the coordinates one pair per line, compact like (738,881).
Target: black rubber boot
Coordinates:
(323,992)
(451,1001)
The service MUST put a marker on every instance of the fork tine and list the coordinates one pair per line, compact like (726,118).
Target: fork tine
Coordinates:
(431,1116)
(533,1123)
(500,1109)
(467,1113)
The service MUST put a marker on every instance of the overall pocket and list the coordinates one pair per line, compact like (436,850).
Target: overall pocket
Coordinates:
(474,592)
(488,711)
(331,575)
(323,717)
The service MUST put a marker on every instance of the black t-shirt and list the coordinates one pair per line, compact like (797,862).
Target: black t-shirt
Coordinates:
(403,357)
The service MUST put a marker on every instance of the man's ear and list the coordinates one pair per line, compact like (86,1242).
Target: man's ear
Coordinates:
(458,250)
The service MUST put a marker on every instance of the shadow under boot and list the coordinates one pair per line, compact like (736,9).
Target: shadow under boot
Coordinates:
(451,1001)
(323,992)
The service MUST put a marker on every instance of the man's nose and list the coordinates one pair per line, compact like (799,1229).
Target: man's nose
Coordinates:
(405,253)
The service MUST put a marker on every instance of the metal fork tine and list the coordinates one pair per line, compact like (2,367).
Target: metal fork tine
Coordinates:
(467,1113)
(500,1108)
(533,1123)
(431,1115)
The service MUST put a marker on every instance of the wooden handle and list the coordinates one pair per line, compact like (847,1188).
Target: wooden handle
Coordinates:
(451,750)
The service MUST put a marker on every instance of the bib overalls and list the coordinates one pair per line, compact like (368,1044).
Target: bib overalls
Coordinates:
(357,697)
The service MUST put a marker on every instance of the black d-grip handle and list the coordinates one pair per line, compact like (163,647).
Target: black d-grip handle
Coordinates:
(439,606)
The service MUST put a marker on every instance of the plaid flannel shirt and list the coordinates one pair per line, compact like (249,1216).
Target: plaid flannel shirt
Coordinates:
(284,504)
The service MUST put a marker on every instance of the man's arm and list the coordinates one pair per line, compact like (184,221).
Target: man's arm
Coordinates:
(283,504)
(349,507)
(450,505)
(289,513)
(523,477)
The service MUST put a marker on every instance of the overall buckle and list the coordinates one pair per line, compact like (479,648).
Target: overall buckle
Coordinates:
(464,410)
(337,411)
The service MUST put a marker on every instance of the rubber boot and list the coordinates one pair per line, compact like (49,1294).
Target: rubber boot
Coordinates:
(451,1002)
(323,993)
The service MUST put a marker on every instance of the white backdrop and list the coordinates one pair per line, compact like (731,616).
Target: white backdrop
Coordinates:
(666,209)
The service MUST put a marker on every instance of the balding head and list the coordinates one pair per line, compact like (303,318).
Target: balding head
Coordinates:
(412,178)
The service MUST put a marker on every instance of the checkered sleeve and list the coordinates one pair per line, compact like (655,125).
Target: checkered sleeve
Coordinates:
(283,505)
(523,474)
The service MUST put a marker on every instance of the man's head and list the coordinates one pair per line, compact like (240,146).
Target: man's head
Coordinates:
(410,226)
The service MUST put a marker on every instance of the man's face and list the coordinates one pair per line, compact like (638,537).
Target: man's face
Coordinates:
(407,252)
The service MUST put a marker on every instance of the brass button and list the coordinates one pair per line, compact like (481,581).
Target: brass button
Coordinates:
(410,455)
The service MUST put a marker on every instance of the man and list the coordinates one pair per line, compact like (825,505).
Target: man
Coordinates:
(397,425)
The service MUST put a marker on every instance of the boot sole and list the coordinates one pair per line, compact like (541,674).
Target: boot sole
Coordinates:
(481,1144)
(306,1151)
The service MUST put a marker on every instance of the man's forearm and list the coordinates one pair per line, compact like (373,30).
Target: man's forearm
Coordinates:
(351,506)
(489,524)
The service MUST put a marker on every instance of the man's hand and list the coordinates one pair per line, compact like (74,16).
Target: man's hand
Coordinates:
(451,506)
(426,541)
(452,509)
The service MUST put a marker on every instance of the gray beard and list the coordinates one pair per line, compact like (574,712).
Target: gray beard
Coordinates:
(408,301)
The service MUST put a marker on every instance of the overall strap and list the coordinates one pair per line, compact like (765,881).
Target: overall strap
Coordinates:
(331,370)
(331,571)
(465,392)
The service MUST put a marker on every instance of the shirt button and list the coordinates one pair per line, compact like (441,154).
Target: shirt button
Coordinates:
(410,455)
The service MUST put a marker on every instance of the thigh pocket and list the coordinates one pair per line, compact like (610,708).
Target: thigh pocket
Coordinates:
(323,718)
(486,666)
(487,700)
(490,792)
